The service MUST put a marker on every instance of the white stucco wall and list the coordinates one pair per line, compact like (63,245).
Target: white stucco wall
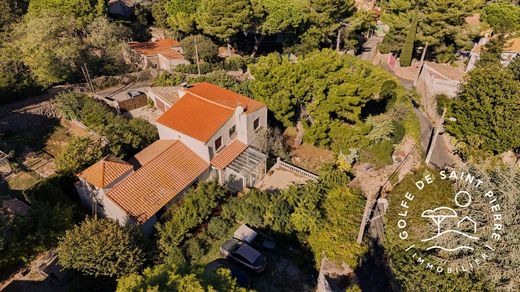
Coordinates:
(262,115)
(195,145)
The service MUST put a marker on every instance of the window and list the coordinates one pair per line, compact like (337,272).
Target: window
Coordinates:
(232,132)
(256,123)
(218,143)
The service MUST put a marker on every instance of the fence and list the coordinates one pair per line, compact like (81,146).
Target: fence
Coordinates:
(296,169)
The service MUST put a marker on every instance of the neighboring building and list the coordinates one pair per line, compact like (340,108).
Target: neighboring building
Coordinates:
(204,134)
(510,51)
(164,54)
(164,97)
(435,79)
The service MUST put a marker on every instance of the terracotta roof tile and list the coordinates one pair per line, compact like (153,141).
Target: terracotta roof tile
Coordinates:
(228,154)
(105,171)
(196,117)
(225,97)
(204,109)
(163,47)
(156,183)
(149,153)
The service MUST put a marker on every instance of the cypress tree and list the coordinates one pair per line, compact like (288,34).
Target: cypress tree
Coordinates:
(407,50)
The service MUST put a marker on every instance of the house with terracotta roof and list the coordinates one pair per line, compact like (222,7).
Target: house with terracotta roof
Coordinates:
(206,133)
(164,54)
(510,51)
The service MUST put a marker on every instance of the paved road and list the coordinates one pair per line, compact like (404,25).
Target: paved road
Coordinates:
(369,48)
(441,156)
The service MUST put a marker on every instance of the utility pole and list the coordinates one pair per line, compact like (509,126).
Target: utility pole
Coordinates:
(197,55)
(86,74)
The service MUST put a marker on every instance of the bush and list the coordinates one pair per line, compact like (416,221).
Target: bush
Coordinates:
(251,208)
(194,209)
(378,154)
(218,227)
(168,79)
(194,248)
(193,69)
(175,257)
(126,137)
(101,247)
(442,102)
(237,63)
(24,236)
(80,153)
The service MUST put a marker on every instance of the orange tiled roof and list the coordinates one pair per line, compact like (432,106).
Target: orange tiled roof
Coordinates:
(196,117)
(204,109)
(156,183)
(105,171)
(224,97)
(228,154)
(163,47)
(149,153)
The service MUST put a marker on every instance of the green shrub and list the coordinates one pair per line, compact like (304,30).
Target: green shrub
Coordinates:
(218,227)
(175,257)
(398,132)
(378,154)
(407,51)
(125,137)
(251,208)
(194,248)
(237,63)
(193,210)
(80,153)
(206,49)
(168,79)
(442,102)
(193,69)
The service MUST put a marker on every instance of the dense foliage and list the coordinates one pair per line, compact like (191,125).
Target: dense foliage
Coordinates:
(491,275)
(51,213)
(441,25)
(125,137)
(325,215)
(101,247)
(196,206)
(80,153)
(407,50)
(503,16)
(300,25)
(206,49)
(487,110)
(168,278)
(330,93)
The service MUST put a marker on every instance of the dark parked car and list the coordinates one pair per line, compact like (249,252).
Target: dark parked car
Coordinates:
(236,272)
(244,254)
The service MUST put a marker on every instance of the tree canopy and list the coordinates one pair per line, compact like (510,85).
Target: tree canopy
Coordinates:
(503,16)
(206,49)
(101,247)
(324,89)
(441,25)
(487,110)
(168,278)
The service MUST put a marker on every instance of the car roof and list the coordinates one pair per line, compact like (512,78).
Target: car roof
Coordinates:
(248,252)
(230,245)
